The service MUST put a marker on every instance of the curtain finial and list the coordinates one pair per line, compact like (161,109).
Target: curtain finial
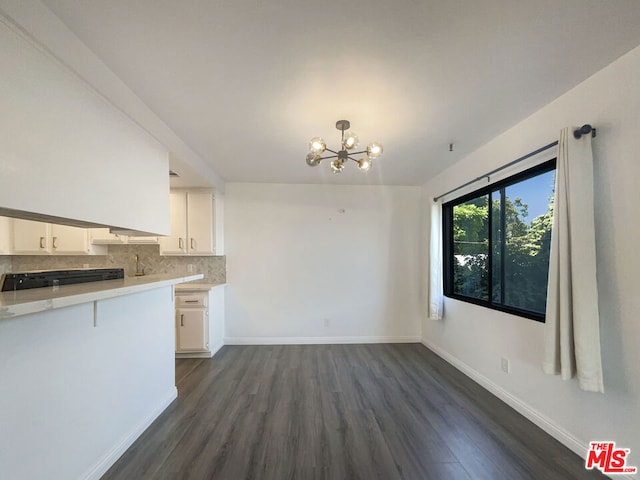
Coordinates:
(584,130)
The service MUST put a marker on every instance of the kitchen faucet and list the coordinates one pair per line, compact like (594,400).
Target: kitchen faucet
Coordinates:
(139,272)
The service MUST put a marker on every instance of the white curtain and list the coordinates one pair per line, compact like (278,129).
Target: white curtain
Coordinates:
(572,329)
(435,263)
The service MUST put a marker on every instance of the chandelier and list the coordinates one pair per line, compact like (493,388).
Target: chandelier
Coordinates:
(349,142)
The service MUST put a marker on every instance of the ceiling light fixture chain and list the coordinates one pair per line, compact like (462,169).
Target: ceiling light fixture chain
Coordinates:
(347,143)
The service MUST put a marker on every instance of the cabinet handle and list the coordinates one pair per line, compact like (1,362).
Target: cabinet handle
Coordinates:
(55,242)
(180,243)
(42,245)
(191,301)
(182,320)
(192,244)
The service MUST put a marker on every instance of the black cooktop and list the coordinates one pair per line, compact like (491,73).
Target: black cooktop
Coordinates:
(50,278)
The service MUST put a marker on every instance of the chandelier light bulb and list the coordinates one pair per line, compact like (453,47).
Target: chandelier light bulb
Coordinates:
(337,165)
(313,159)
(317,145)
(374,150)
(350,141)
(364,164)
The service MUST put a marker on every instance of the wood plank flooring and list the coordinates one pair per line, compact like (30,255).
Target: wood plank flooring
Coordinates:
(385,411)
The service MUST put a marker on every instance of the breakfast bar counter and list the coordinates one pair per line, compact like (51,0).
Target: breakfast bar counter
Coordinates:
(24,302)
(84,370)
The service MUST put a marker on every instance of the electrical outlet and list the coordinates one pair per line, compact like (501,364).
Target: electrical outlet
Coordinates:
(506,365)
(325,322)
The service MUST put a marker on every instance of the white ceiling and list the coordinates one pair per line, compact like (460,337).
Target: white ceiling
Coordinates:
(246,83)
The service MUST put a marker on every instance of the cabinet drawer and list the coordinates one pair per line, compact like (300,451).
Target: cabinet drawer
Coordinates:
(192,300)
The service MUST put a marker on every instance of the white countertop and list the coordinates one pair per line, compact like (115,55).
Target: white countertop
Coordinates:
(197,286)
(34,300)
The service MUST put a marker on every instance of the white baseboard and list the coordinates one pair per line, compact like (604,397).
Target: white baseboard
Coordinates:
(577,446)
(105,463)
(316,340)
(212,351)
(194,355)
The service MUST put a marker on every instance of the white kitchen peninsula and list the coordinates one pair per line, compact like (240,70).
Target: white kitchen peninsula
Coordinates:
(84,369)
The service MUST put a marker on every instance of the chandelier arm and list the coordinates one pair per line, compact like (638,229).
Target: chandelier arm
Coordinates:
(329,150)
(358,153)
(354,159)
(330,156)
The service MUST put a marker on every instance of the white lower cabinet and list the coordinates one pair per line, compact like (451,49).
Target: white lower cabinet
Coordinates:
(199,321)
(192,329)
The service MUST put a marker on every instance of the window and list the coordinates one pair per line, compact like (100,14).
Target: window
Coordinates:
(496,243)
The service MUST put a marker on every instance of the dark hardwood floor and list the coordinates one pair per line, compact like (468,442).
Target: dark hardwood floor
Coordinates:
(339,412)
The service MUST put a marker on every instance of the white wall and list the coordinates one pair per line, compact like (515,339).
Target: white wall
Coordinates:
(476,338)
(67,152)
(74,396)
(299,254)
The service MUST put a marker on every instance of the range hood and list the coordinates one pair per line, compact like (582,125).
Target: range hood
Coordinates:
(131,233)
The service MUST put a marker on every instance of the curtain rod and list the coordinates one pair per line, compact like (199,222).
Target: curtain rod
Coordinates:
(585,129)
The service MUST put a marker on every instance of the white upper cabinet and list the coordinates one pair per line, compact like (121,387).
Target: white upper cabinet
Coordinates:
(176,243)
(200,223)
(5,235)
(39,238)
(193,225)
(69,240)
(31,237)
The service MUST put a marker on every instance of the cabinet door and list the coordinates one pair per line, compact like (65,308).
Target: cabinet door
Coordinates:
(30,237)
(200,223)
(69,240)
(191,328)
(5,235)
(176,243)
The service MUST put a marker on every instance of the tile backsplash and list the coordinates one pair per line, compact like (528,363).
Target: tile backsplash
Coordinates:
(5,264)
(213,268)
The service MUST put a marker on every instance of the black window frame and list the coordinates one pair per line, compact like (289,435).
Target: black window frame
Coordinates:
(447,241)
